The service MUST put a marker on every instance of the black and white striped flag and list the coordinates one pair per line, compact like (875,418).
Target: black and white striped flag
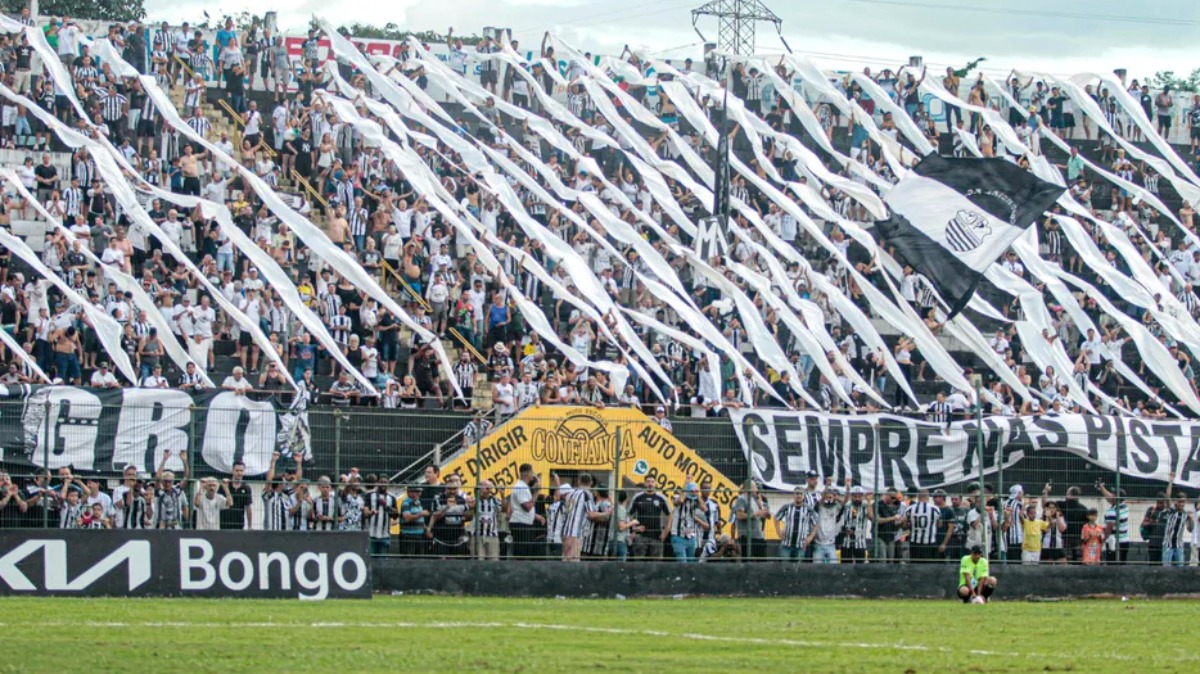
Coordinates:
(952,218)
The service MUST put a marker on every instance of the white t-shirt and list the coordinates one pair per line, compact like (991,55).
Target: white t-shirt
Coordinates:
(242,384)
(103,379)
(208,511)
(1093,348)
(505,398)
(521,495)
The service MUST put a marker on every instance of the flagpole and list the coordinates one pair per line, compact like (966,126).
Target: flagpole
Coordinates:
(721,206)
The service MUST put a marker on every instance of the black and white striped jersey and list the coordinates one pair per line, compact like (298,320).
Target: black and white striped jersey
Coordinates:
(856,526)
(923,518)
(597,534)
(487,517)
(798,521)
(275,510)
(1175,528)
(325,506)
(382,506)
(579,503)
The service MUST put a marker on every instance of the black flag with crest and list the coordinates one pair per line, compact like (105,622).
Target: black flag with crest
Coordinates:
(953,217)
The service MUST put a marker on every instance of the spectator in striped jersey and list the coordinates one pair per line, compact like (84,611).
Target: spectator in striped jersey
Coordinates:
(597,531)
(1013,524)
(485,527)
(1178,524)
(686,520)
(793,523)
(556,517)
(856,526)
(170,501)
(578,509)
(1054,538)
(921,519)
(379,510)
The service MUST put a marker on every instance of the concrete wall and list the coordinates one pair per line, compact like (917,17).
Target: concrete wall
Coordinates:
(608,579)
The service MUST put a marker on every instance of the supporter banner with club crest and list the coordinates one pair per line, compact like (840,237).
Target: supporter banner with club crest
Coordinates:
(571,440)
(104,430)
(879,451)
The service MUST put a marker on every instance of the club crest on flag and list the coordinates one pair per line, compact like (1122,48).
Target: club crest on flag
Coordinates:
(966,231)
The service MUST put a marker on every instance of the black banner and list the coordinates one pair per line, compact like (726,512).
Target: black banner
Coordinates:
(881,450)
(105,430)
(125,563)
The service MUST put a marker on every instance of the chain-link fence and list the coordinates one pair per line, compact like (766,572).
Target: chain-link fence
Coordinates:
(612,483)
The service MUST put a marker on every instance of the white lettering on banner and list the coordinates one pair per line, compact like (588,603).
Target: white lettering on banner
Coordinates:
(321,582)
(879,451)
(134,554)
(188,563)
(74,416)
(247,571)
(360,571)
(237,571)
(232,419)
(107,430)
(162,424)
(264,563)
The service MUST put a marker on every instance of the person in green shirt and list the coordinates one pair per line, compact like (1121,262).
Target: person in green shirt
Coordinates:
(973,578)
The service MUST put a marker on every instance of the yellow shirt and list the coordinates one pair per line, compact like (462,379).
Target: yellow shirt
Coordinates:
(1033,535)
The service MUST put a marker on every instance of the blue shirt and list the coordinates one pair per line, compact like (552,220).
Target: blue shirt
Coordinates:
(224,36)
(412,506)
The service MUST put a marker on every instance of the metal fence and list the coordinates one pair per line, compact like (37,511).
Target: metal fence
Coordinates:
(555,483)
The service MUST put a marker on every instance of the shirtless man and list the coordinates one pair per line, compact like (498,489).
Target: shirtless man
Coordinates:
(67,352)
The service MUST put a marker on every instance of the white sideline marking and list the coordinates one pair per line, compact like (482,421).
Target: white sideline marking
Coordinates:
(692,636)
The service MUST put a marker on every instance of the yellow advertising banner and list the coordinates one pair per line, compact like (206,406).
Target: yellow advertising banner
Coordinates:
(586,439)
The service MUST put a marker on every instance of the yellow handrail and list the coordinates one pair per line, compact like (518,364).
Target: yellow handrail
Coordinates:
(310,189)
(186,67)
(465,342)
(404,282)
(240,123)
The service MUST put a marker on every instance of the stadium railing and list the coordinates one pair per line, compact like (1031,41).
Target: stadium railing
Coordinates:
(617,449)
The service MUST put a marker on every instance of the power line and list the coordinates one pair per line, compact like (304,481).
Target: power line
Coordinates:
(1084,16)
(613,14)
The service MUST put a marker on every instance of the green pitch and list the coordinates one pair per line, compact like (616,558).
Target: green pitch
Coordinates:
(423,634)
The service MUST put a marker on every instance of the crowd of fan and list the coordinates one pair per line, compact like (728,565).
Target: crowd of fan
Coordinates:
(374,213)
(821,523)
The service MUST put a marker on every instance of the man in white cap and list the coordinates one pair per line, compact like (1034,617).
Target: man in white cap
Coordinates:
(1013,525)
(660,418)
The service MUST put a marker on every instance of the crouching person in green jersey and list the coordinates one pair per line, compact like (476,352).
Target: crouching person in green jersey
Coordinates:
(974,583)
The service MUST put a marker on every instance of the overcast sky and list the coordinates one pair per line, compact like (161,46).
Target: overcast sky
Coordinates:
(1061,37)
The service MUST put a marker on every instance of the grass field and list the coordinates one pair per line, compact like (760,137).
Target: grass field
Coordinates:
(421,634)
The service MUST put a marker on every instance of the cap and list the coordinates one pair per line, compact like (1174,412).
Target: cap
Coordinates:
(857,491)
(976,549)
(1015,491)
(564,488)
(324,480)
(413,487)
(660,408)
(812,473)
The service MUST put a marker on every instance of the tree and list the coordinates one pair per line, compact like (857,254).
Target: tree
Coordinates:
(391,31)
(965,70)
(104,10)
(1165,78)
